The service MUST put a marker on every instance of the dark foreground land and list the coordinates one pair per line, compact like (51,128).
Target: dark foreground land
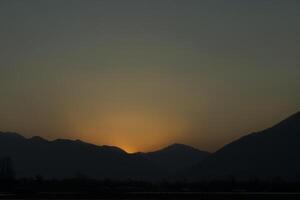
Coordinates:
(158,196)
(82,188)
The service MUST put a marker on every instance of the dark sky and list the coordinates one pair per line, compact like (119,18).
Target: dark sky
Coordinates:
(143,74)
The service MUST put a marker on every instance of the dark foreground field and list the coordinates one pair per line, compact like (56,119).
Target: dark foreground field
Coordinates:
(82,188)
(158,196)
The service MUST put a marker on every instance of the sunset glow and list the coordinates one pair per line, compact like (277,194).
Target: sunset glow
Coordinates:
(147,74)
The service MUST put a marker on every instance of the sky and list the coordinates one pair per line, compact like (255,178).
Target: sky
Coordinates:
(143,74)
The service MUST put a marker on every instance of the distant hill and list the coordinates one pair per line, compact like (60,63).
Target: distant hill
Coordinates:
(69,158)
(271,153)
(175,158)
(274,152)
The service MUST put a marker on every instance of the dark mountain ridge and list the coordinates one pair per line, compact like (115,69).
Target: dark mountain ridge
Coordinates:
(175,157)
(273,152)
(63,158)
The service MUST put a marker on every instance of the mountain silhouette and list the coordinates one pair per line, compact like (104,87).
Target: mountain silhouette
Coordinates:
(268,154)
(271,153)
(68,158)
(175,157)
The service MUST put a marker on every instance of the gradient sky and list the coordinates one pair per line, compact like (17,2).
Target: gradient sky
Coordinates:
(143,74)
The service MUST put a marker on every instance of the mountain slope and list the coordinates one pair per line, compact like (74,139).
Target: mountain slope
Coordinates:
(66,158)
(176,157)
(271,153)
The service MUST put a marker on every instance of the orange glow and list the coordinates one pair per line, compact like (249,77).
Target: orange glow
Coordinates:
(127,148)
(131,131)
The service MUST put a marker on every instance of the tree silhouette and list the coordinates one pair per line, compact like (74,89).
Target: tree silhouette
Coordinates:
(6,169)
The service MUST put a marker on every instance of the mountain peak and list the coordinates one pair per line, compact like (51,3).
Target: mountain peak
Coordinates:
(177,146)
(113,148)
(11,135)
(38,139)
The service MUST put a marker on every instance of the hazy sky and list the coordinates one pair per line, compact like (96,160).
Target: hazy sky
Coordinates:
(144,74)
